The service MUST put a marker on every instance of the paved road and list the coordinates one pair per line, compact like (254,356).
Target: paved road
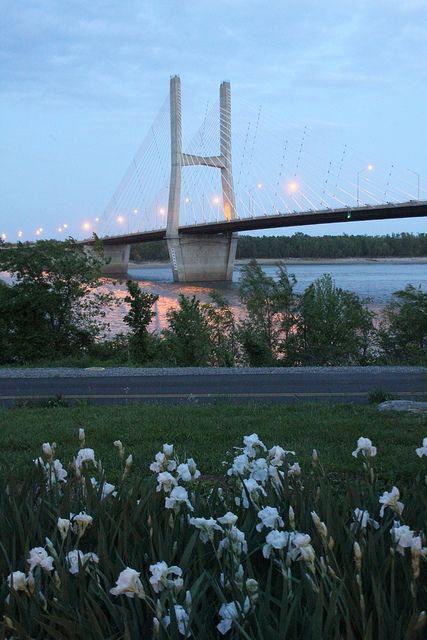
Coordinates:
(326,384)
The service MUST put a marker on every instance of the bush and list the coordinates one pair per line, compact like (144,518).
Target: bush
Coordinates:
(403,335)
(52,308)
(186,341)
(270,550)
(271,308)
(142,343)
(333,327)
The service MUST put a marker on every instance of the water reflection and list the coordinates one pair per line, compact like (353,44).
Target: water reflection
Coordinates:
(374,280)
(159,281)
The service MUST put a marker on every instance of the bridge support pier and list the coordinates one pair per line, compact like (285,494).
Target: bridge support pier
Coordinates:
(202,258)
(118,259)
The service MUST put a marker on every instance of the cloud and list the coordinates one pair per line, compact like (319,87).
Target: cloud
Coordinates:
(107,55)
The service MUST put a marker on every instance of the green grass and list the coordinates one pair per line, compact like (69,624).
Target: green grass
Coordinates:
(207,432)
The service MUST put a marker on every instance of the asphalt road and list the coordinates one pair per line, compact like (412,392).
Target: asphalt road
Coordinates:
(347,384)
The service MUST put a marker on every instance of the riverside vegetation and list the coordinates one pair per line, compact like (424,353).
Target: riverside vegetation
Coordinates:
(53,312)
(301,245)
(268,549)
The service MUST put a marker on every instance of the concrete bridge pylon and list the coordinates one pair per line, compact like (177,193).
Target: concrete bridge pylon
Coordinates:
(202,258)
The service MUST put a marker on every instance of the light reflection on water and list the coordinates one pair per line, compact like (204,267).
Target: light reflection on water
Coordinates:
(374,280)
(159,281)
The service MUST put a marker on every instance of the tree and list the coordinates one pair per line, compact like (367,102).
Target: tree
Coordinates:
(141,341)
(52,308)
(333,327)
(270,307)
(187,340)
(222,331)
(403,334)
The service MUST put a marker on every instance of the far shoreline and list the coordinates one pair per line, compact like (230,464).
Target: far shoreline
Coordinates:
(152,264)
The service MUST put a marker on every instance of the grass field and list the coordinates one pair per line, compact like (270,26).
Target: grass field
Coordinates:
(207,432)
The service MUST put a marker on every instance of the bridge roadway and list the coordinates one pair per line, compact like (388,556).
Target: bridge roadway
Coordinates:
(411,209)
(207,386)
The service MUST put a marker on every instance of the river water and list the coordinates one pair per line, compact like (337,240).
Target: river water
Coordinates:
(374,280)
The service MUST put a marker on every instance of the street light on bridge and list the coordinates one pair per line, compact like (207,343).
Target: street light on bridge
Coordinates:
(368,168)
(418,181)
(251,197)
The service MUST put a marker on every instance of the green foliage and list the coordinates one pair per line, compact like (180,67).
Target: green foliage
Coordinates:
(186,341)
(270,306)
(52,307)
(301,245)
(333,327)
(141,342)
(256,350)
(222,331)
(342,580)
(326,325)
(403,335)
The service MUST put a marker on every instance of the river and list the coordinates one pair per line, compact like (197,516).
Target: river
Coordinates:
(376,280)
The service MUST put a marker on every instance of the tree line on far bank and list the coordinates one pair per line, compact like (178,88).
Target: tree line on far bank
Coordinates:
(54,311)
(301,245)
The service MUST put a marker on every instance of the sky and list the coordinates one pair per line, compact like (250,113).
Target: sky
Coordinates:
(81,83)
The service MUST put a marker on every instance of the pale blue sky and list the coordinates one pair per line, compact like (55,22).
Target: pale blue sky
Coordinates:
(82,81)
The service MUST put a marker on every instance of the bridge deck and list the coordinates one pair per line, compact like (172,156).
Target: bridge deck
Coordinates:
(411,209)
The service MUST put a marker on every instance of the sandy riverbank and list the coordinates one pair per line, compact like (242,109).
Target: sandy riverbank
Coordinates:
(422,260)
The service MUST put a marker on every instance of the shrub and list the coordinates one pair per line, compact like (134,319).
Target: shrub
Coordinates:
(403,335)
(52,307)
(271,308)
(186,341)
(333,327)
(142,343)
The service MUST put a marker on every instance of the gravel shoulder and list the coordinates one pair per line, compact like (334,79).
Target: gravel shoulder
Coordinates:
(75,372)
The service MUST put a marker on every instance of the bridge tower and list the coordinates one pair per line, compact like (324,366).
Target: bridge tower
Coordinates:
(200,257)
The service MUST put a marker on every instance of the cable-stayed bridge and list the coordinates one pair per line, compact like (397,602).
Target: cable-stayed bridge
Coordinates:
(199,198)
